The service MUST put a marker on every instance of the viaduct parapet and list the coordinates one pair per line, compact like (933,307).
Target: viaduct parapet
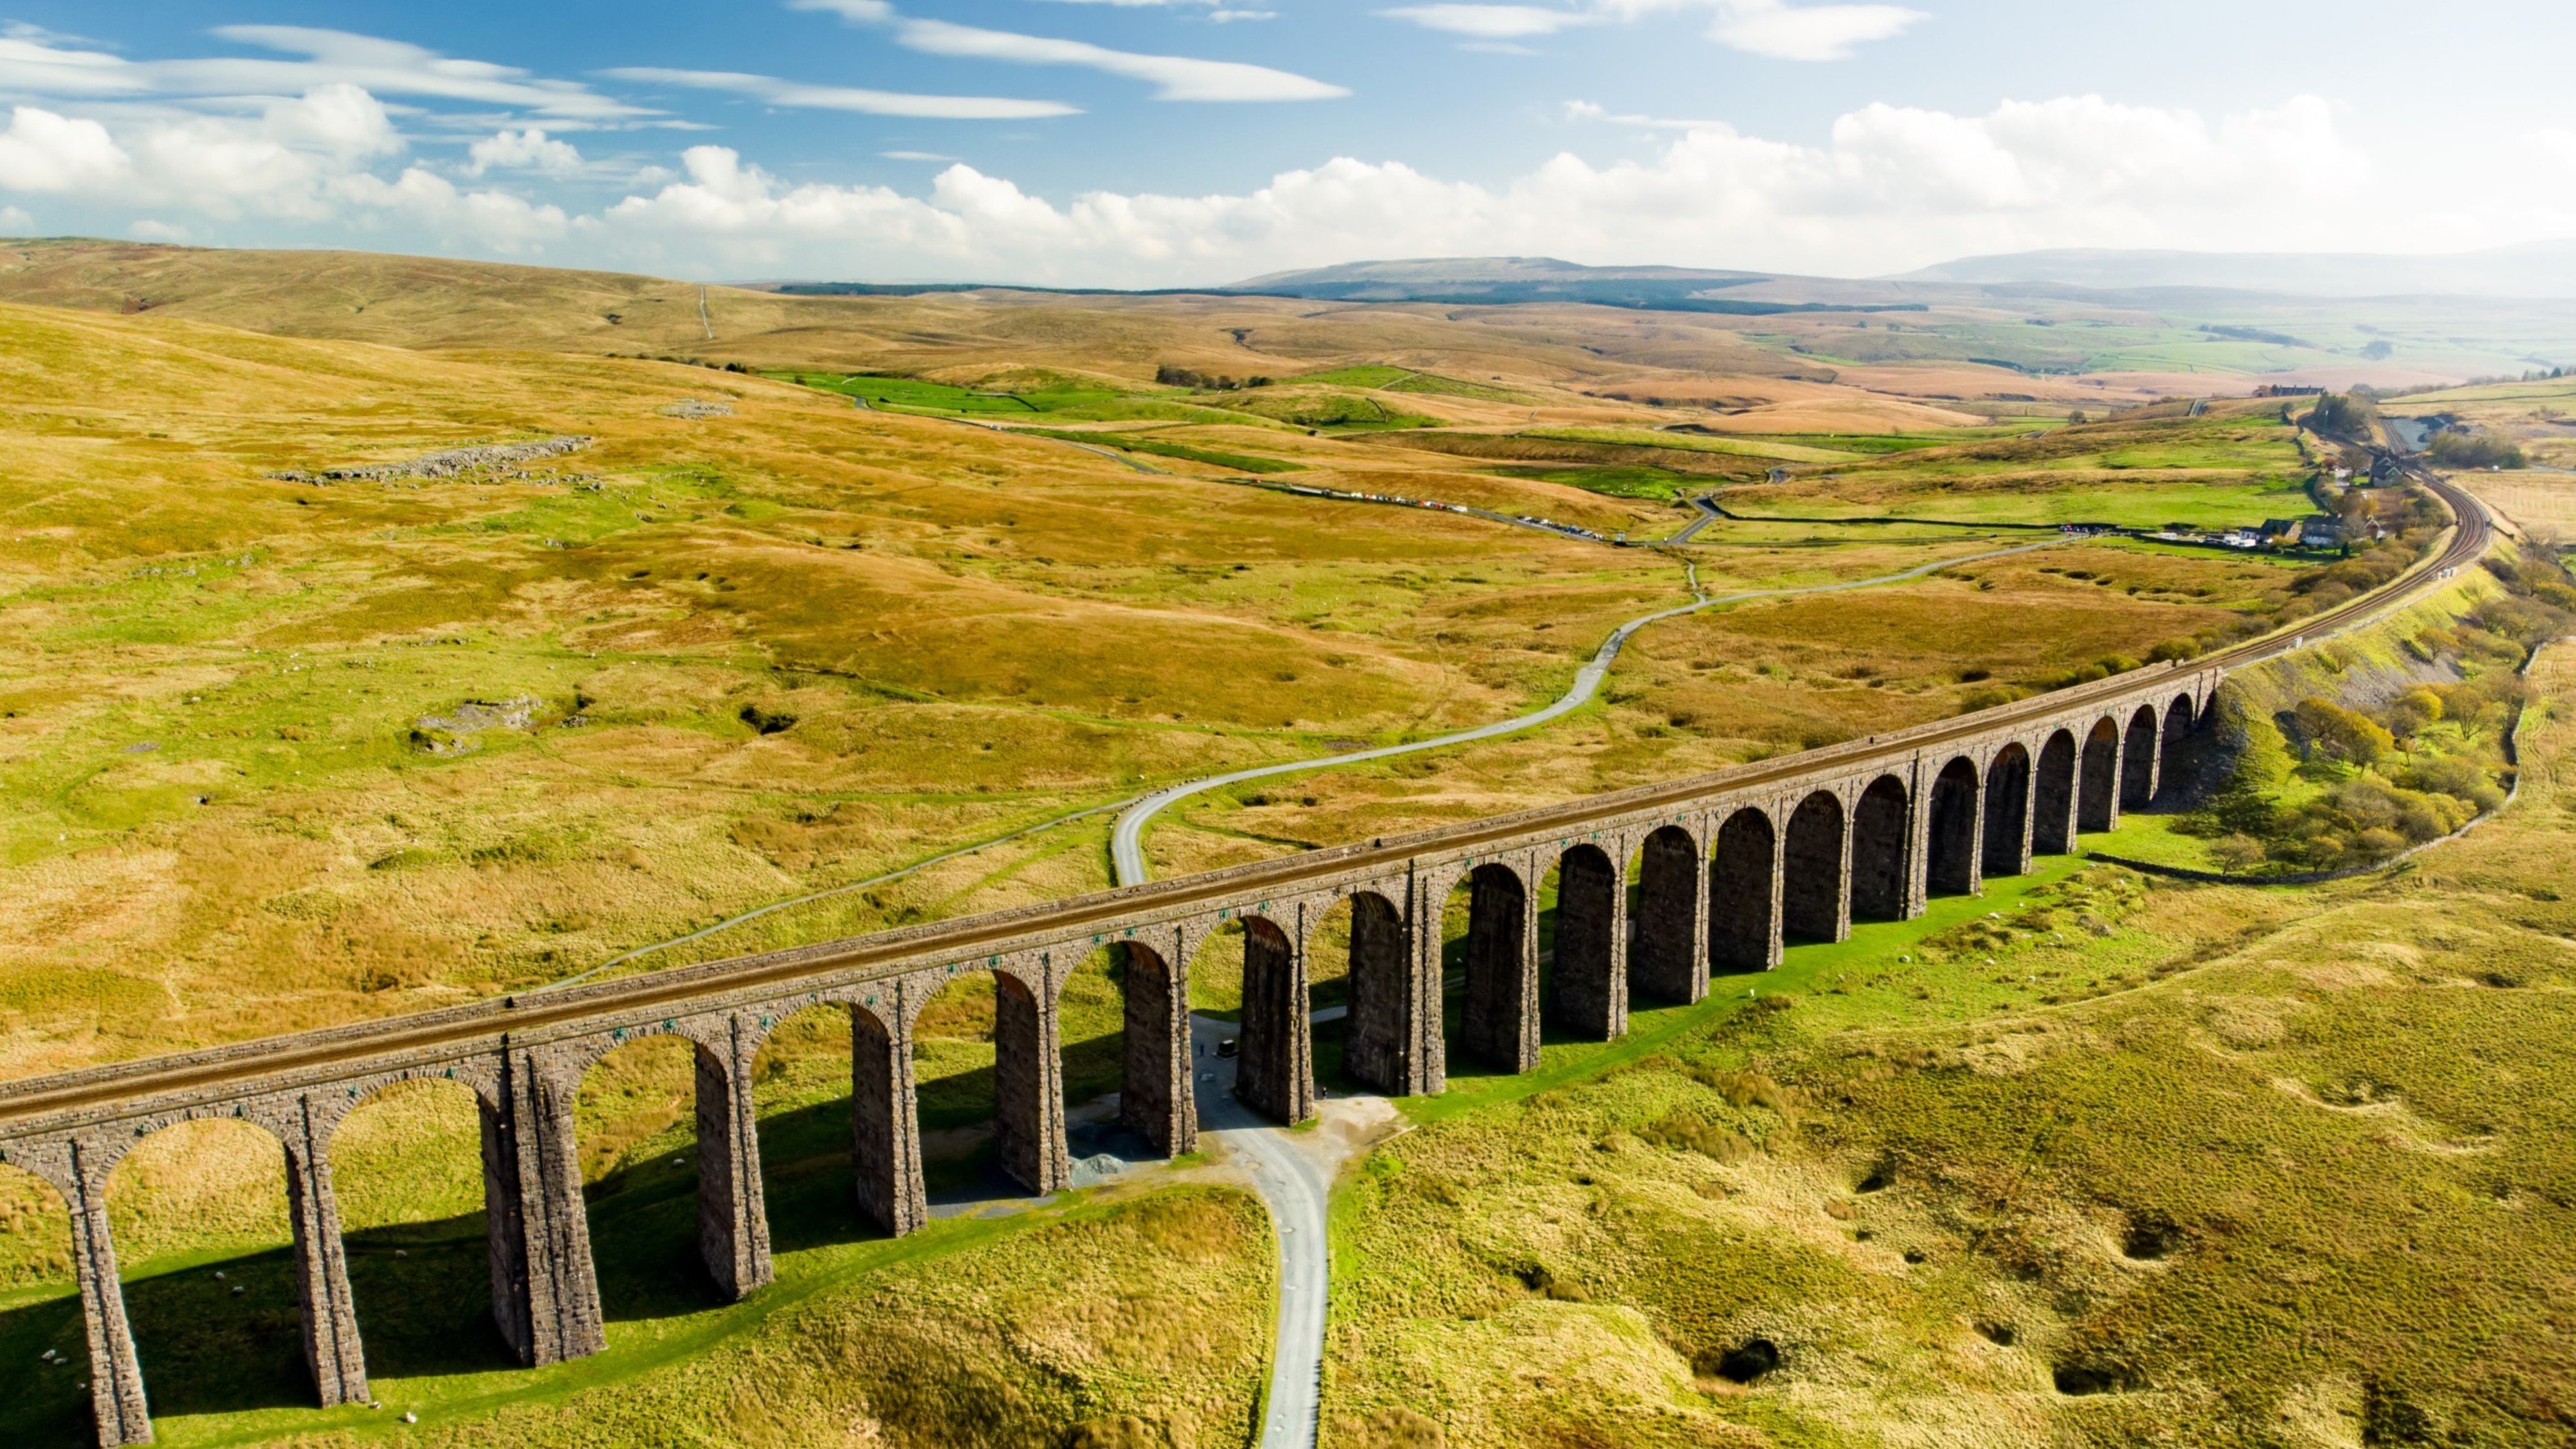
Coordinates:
(1727,867)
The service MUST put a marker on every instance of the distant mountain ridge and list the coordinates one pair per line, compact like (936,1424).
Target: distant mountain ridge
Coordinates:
(1500,281)
(2534,269)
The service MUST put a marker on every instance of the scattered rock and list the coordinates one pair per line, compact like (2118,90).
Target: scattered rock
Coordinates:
(448,463)
(696,407)
(453,733)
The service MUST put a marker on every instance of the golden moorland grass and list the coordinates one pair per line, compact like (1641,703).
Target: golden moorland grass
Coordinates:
(287,752)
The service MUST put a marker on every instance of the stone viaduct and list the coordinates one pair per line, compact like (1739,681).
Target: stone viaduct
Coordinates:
(1727,867)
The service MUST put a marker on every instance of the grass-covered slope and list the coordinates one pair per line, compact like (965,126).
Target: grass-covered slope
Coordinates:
(2090,1161)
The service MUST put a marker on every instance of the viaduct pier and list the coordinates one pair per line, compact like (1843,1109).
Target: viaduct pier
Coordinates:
(1727,867)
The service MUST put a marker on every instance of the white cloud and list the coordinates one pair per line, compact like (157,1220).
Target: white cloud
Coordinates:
(1492,22)
(850,98)
(1175,77)
(15,221)
(1591,111)
(1893,188)
(337,119)
(150,229)
(1806,32)
(1765,27)
(528,149)
(43,66)
(303,160)
(915,156)
(42,151)
(37,66)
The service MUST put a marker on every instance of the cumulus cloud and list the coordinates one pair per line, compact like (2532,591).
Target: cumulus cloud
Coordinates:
(305,159)
(42,151)
(850,98)
(1892,188)
(526,149)
(16,221)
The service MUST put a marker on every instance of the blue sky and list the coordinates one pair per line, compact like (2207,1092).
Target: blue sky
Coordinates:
(1159,142)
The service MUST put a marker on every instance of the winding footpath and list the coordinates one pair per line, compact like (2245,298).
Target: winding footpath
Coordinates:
(1126,843)
(1287,1181)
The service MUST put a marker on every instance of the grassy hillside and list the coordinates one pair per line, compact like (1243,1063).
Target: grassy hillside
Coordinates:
(2090,1160)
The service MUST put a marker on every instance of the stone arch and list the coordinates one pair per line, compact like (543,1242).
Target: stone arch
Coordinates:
(1587,988)
(790,1039)
(2052,823)
(2007,830)
(957,1029)
(1498,1018)
(2179,723)
(1953,861)
(377,1146)
(1664,962)
(2098,791)
(1812,861)
(1377,1043)
(1274,1068)
(1154,1096)
(2138,758)
(1881,834)
(1744,892)
(665,1066)
(231,1166)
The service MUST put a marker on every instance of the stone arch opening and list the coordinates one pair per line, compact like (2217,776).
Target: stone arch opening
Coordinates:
(415,1208)
(1951,864)
(1494,953)
(1274,1072)
(833,1083)
(659,1116)
(2052,825)
(1090,1011)
(1586,986)
(984,1051)
(210,1336)
(1880,837)
(2098,798)
(1663,962)
(2178,728)
(1743,888)
(2138,758)
(1811,870)
(1378,1037)
(1154,1097)
(2007,833)
(46,1402)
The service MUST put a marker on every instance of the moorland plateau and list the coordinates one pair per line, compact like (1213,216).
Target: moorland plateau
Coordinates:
(296,729)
